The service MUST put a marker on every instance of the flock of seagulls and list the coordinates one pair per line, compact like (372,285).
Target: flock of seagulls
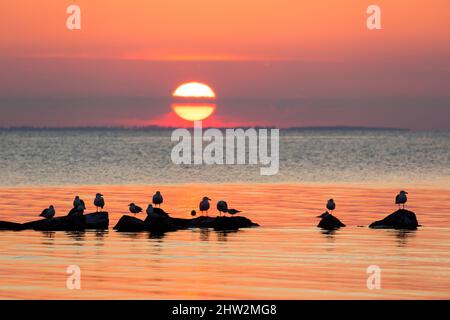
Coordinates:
(204,205)
(222,207)
(79,206)
(157,200)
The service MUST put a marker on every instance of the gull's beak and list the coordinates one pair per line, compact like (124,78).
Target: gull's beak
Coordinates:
(209,199)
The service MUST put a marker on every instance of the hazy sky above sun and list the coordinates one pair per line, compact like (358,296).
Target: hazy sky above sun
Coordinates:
(270,62)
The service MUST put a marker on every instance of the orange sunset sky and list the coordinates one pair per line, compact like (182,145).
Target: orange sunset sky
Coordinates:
(271,62)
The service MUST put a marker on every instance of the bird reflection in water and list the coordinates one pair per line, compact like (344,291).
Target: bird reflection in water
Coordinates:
(204,234)
(49,237)
(100,234)
(156,235)
(100,237)
(78,236)
(223,235)
(330,235)
(403,236)
(132,235)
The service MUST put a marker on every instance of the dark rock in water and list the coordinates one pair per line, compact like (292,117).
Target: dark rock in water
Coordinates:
(96,220)
(400,219)
(160,212)
(232,223)
(226,223)
(217,223)
(56,224)
(162,223)
(75,212)
(330,222)
(129,223)
(5,225)
(159,221)
(157,213)
(153,223)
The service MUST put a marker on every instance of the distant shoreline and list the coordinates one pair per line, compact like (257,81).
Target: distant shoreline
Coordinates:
(163,128)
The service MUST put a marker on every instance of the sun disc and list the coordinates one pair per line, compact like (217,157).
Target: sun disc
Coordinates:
(194,112)
(194,90)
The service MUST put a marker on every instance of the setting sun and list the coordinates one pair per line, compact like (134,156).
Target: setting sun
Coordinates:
(193,112)
(194,101)
(194,90)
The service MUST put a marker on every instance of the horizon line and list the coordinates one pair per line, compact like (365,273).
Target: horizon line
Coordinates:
(143,127)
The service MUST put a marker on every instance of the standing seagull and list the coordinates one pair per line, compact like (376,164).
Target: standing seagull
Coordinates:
(99,201)
(77,202)
(401,198)
(204,205)
(157,199)
(82,205)
(149,210)
(134,208)
(48,213)
(77,210)
(78,207)
(331,205)
(222,206)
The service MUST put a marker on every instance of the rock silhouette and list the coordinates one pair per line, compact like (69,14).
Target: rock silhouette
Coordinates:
(96,220)
(5,225)
(400,219)
(330,222)
(160,221)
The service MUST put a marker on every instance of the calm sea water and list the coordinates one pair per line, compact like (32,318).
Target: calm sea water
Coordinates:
(286,258)
(65,157)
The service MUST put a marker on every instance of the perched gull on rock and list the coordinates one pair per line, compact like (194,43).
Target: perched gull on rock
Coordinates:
(401,198)
(331,205)
(78,202)
(222,206)
(157,199)
(48,213)
(149,210)
(99,201)
(134,208)
(78,207)
(204,205)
